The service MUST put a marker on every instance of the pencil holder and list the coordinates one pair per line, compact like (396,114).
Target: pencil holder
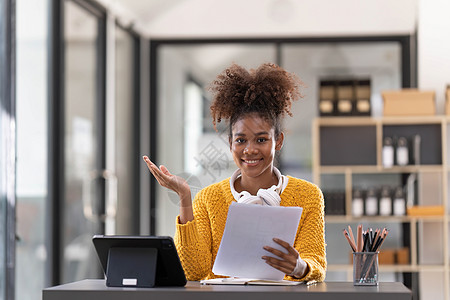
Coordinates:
(365,268)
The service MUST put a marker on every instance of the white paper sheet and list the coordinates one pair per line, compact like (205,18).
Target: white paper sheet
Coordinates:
(249,227)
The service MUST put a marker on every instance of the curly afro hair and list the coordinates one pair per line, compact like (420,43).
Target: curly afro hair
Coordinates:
(267,91)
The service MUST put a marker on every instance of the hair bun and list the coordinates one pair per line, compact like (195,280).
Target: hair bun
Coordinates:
(268,90)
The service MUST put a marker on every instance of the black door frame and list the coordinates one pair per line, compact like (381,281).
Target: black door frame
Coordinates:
(56,125)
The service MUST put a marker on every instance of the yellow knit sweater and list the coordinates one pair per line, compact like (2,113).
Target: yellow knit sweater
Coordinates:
(198,241)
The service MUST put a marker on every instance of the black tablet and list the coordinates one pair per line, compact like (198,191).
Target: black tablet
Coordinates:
(139,261)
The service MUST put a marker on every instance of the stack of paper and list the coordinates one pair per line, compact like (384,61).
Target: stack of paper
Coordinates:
(248,229)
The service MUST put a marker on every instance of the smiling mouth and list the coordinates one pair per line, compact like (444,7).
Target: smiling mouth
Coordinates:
(251,161)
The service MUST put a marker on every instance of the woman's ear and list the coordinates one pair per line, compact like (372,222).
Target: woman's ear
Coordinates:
(279,141)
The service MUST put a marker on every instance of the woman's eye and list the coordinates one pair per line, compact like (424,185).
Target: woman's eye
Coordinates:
(261,140)
(240,140)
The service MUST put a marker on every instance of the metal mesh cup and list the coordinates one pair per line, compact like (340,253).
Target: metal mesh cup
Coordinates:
(365,268)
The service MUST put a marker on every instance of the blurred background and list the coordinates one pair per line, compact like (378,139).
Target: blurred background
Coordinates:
(89,86)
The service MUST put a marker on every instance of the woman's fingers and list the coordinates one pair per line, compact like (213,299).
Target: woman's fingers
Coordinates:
(157,173)
(151,166)
(283,261)
(155,170)
(291,254)
(161,175)
(283,266)
(277,252)
(167,179)
(164,170)
(279,262)
(287,246)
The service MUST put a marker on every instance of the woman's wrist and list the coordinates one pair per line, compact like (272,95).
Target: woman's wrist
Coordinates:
(186,211)
(185,198)
(300,270)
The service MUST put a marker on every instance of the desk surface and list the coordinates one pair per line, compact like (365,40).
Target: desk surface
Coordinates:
(96,289)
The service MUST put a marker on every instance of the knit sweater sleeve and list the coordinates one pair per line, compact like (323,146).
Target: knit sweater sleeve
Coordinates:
(193,241)
(310,239)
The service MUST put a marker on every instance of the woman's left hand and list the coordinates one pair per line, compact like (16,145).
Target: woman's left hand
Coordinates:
(285,262)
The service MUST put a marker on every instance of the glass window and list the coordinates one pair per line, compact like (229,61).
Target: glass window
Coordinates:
(2,217)
(2,199)
(378,61)
(186,139)
(31,186)
(83,182)
(187,142)
(7,148)
(125,154)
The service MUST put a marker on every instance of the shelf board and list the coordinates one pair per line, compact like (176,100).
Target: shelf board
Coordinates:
(324,121)
(411,120)
(381,219)
(397,120)
(391,268)
(367,169)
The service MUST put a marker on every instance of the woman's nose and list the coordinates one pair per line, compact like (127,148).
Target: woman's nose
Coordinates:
(250,149)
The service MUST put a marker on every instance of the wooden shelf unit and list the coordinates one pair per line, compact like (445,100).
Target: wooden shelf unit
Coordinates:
(375,128)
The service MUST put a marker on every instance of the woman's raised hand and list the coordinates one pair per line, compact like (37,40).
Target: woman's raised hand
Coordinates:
(166,179)
(176,184)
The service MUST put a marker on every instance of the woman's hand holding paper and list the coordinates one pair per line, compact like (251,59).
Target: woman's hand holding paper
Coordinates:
(286,262)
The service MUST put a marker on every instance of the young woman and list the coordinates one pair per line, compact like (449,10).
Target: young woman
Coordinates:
(254,102)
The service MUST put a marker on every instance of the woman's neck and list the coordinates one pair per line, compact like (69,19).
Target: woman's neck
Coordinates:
(253,184)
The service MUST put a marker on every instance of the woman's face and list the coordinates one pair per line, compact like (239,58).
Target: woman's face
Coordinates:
(253,145)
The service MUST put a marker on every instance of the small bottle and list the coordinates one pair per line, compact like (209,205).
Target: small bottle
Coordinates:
(402,153)
(385,202)
(363,97)
(345,96)
(416,149)
(371,203)
(326,107)
(399,202)
(327,98)
(357,204)
(388,152)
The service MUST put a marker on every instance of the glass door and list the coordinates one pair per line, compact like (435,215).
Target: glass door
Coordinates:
(126,135)
(2,199)
(187,142)
(84,211)
(2,208)
(7,149)
(32,253)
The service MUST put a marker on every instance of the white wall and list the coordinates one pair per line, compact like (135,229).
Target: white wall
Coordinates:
(263,18)
(434,47)
(433,74)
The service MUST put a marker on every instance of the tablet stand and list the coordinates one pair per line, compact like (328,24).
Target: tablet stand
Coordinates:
(131,267)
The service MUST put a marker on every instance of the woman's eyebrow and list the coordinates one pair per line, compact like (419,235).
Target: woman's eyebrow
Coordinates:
(258,133)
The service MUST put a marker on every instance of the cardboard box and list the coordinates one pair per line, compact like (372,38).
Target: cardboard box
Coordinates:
(402,256)
(425,210)
(409,102)
(386,257)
